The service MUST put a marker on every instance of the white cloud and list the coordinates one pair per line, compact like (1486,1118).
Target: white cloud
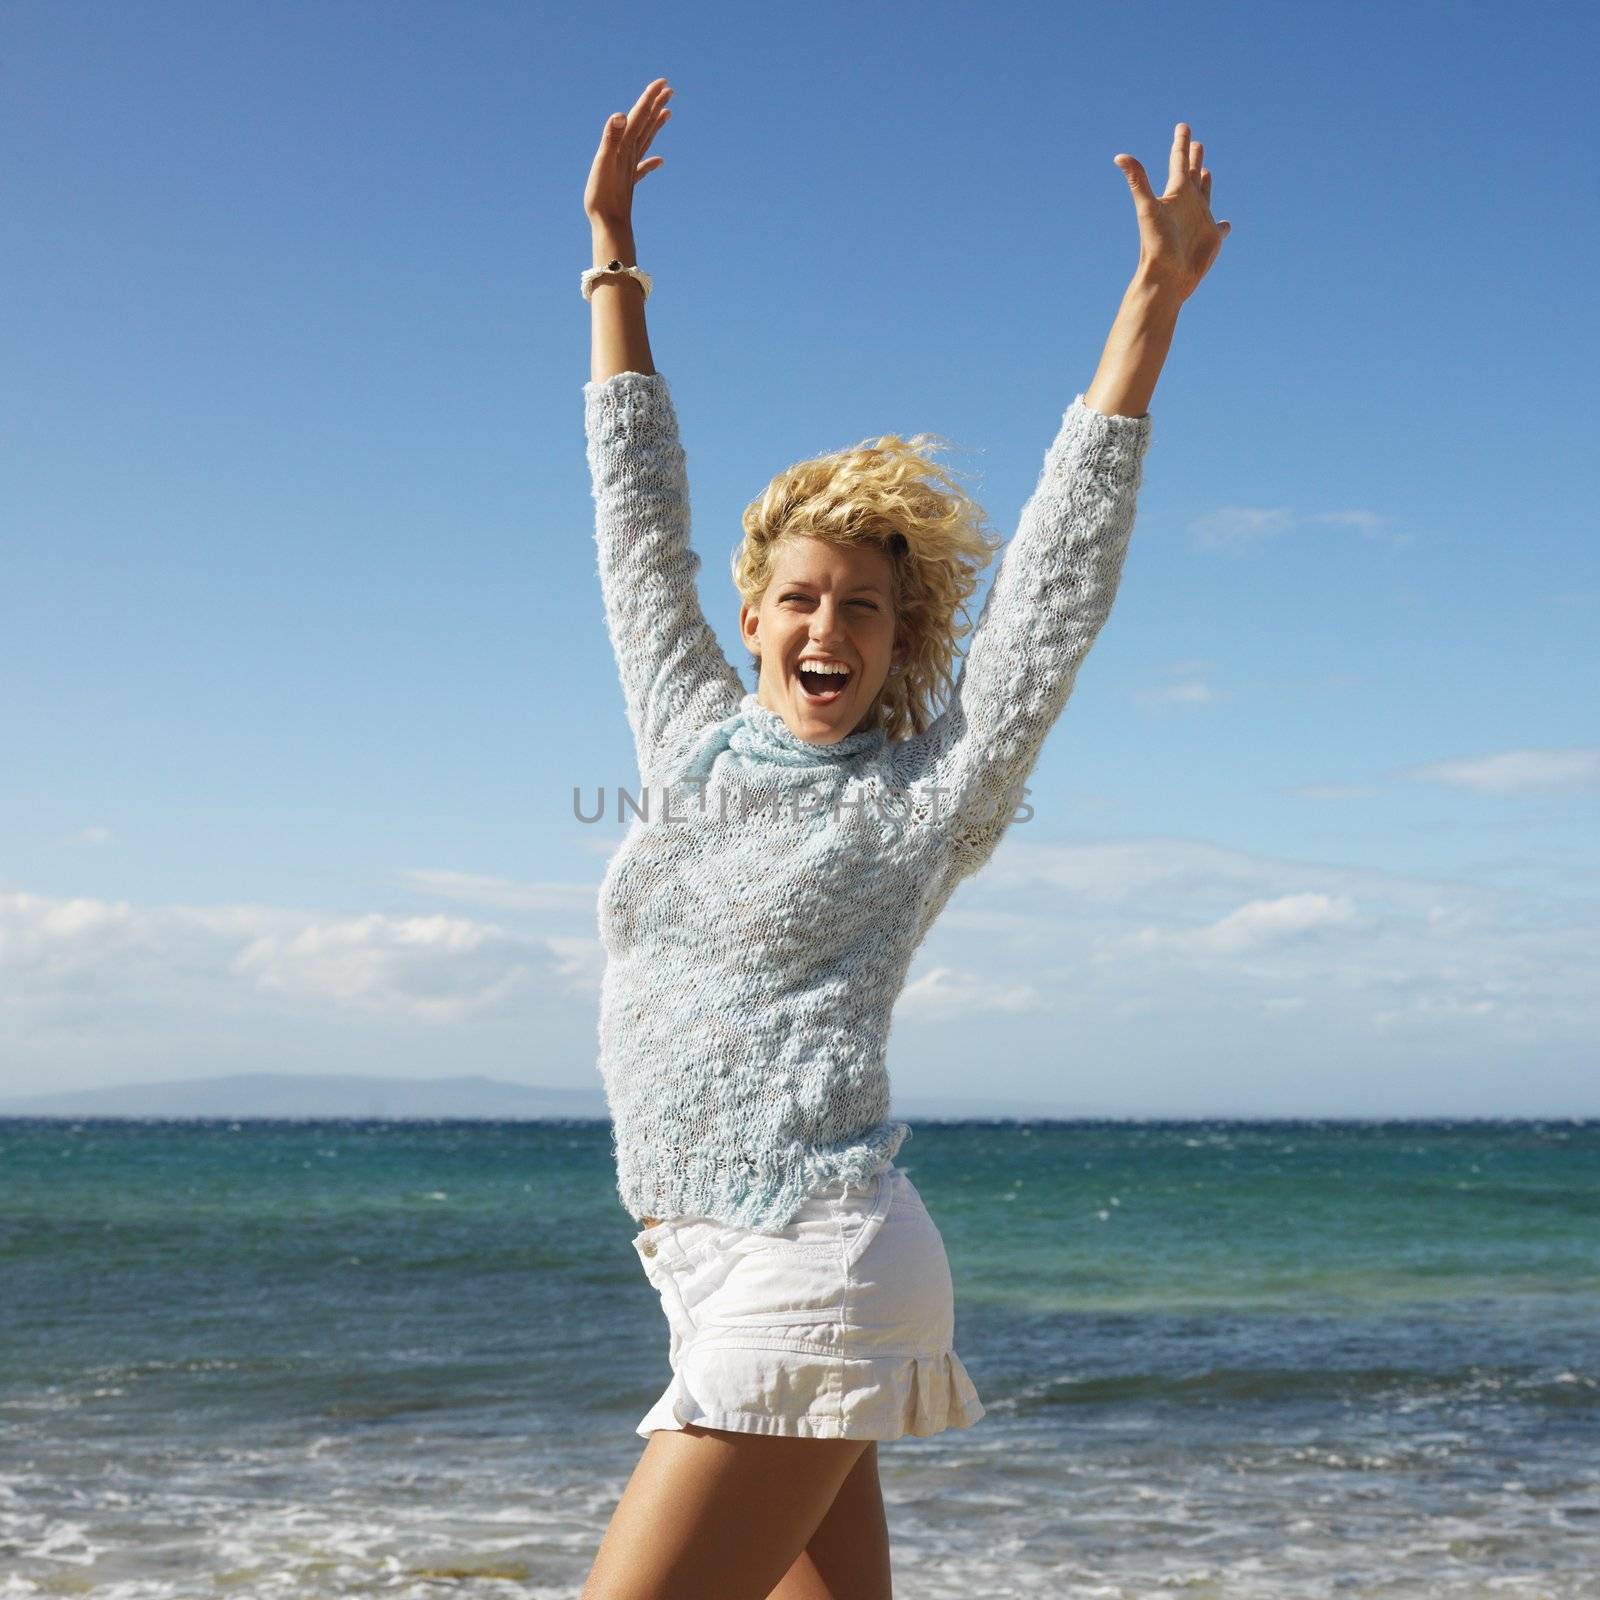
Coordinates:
(946,992)
(71,963)
(437,969)
(91,836)
(1517,771)
(1558,873)
(1332,791)
(506,894)
(1239,528)
(1183,967)
(1191,693)
(1369,524)
(1257,924)
(1283,1004)
(601,842)
(1441,1007)
(48,938)
(1236,529)
(1202,937)
(1116,872)
(579,959)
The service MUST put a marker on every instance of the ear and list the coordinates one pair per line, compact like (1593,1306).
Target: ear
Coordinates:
(749,627)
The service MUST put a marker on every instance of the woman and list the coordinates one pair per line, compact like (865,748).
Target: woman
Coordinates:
(791,848)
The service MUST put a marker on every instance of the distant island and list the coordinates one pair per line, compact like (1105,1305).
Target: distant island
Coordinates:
(274,1094)
(284,1094)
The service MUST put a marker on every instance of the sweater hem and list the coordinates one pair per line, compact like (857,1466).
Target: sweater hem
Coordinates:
(762,1191)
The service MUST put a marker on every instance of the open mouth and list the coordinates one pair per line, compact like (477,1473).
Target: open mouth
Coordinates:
(822,688)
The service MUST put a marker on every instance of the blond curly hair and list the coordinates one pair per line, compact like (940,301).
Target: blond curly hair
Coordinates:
(888,492)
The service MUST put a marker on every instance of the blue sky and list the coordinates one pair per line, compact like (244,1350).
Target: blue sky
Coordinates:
(304,647)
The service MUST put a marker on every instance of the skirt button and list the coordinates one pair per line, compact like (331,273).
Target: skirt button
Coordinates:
(649,1247)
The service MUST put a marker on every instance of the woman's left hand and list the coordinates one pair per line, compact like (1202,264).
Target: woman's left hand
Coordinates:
(1178,241)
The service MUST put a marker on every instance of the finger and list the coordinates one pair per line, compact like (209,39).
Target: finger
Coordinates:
(645,168)
(1196,157)
(1205,184)
(623,128)
(655,122)
(659,93)
(640,106)
(1178,158)
(1138,181)
(628,132)
(610,152)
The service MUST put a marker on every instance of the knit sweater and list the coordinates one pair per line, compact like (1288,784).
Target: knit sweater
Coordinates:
(761,913)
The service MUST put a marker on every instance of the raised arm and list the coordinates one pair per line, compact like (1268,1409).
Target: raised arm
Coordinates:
(618,342)
(675,678)
(1058,576)
(1060,572)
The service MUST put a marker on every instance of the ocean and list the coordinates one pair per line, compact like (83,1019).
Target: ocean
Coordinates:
(1220,1359)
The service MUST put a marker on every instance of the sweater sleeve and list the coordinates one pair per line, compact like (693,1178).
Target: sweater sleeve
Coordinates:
(675,678)
(1052,593)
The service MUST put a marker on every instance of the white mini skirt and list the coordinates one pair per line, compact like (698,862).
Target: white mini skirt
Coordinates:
(838,1327)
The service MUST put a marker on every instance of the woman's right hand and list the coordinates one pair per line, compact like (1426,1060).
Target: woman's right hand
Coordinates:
(608,198)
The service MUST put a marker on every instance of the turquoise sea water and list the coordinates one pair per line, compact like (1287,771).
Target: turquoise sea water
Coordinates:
(1220,1359)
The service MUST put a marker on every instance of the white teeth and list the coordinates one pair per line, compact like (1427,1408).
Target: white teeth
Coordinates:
(825,666)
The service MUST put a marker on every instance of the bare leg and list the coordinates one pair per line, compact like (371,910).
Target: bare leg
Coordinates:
(716,1515)
(848,1557)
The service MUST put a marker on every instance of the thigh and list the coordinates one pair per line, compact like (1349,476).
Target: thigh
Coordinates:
(848,1556)
(714,1515)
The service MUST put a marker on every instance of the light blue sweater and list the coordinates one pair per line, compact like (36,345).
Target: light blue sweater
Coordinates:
(758,927)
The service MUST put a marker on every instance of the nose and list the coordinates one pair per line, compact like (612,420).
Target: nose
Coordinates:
(825,622)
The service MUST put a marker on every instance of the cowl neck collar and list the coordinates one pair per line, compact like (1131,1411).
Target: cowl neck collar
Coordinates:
(763,735)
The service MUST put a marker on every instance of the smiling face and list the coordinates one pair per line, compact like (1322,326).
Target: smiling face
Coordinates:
(832,605)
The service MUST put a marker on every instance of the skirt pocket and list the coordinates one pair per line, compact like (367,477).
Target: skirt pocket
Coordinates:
(902,1298)
(711,1274)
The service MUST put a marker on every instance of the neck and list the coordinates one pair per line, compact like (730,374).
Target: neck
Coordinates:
(866,721)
